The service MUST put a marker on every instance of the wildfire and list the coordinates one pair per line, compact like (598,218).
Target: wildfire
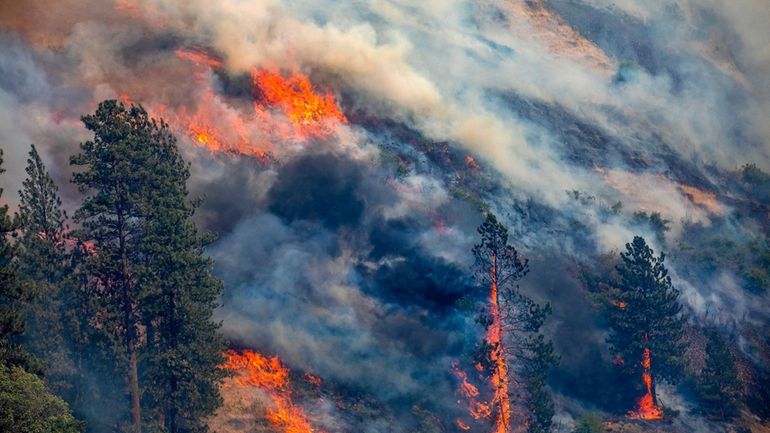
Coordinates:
(476,408)
(499,404)
(646,408)
(286,109)
(311,114)
(619,304)
(462,425)
(500,368)
(272,377)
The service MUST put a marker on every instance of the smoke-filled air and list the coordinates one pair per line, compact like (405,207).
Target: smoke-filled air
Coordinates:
(491,216)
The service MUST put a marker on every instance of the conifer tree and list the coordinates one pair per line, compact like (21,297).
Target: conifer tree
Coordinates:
(117,171)
(12,295)
(515,349)
(184,349)
(646,315)
(718,385)
(43,263)
(152,285)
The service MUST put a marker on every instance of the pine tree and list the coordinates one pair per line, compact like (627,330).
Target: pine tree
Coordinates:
(184,349)
(44,264)
(13,295)
(515,349)
(118,173)
(718,385)
(152,286)
(646,316)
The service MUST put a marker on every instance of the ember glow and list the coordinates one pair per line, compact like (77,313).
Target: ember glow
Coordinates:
(646,408)
(272,377)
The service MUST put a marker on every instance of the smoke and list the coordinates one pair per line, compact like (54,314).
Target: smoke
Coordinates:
(346,254)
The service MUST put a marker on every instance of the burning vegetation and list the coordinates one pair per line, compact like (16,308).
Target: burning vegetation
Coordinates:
(349,173)
(267,375)
(286,110)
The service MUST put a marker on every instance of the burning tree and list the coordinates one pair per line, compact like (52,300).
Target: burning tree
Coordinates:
(646,325)
(514,353)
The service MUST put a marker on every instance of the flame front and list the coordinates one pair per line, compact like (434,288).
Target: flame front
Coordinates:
(272,377)
(286,109)
(646,408)
(311,114)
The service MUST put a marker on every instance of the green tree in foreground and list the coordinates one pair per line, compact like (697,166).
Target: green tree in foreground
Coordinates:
(539,402)
(147,276)
(184,349)
(718,385)
(646,315)
(117,166)
(26,406)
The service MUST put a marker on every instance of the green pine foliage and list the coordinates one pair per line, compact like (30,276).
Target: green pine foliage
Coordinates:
(539,402)
(44,265)
(147,276)
(183,349)
(646,313)
(13,296)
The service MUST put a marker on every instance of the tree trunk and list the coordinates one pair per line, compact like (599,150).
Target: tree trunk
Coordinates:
(129,327)
(133,387)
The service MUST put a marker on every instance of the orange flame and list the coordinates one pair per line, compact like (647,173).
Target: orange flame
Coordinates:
(476,408)
(500,368)
(619,304)
(272,377)
(288,109)
(499,404)
(311,114)
(646,408)
(462,425)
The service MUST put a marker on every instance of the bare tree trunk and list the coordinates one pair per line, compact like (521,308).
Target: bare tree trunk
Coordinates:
(133,388)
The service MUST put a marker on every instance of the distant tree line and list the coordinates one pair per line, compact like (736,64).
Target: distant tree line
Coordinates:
(113,315)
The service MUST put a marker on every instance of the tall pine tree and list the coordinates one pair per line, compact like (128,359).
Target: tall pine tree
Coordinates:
(515,350)
(117,171)
(646,316)
(44,264)
(184,349)
(147,273)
